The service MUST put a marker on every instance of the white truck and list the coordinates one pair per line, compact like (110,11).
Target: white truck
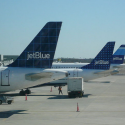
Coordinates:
(75,87)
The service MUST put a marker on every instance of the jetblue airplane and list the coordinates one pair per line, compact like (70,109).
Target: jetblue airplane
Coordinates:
(99,67)
(117,61)
(33,66)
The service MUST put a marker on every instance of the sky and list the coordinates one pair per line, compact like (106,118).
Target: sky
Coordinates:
(87,25)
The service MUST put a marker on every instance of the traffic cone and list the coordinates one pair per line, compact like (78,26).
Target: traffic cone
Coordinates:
(51,89)
(26,97)
(77,107)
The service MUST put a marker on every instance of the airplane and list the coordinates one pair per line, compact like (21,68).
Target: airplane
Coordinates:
(99,67)
(117,61)
(33,66)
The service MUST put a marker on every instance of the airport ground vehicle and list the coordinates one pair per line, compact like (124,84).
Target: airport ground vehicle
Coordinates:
(5,99)
(75,87)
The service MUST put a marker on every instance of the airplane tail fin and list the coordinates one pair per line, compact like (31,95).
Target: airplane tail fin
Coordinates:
(118,56)
(103,59)
(40,52)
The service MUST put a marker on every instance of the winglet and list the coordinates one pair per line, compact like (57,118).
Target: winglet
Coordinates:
(103,59)
(40,52)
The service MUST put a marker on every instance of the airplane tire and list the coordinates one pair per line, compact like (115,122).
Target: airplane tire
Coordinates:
(9,102)
(27,91)
(22,93)
(0,102)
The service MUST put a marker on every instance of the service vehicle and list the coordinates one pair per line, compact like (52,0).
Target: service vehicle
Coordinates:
(5,99)
(75,87)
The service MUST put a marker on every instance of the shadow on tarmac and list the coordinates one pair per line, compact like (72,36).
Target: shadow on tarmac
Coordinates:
(7,114)
(66,96)
(10,94)
(50,96)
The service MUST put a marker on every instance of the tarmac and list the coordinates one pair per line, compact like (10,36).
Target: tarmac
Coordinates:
(102,104)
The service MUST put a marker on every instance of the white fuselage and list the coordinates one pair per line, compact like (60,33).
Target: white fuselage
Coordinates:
(74,71)
(68,65)
(85,73)
(13,78)
(79,65)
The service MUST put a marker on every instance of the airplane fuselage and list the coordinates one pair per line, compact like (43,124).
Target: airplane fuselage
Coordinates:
(13,78)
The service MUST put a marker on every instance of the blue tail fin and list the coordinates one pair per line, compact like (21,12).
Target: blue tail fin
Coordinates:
(118,56)
(40,52)
(103,59)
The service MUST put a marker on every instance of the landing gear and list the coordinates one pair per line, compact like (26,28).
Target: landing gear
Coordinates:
(9,102)
(27,91)
(22,92)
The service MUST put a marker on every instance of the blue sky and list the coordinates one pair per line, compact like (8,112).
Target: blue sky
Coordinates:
(87,25)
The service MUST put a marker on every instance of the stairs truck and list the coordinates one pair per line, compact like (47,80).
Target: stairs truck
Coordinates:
(75,87)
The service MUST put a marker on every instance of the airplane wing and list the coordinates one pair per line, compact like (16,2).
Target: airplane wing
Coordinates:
(50,84)
(36,76)
(108,72)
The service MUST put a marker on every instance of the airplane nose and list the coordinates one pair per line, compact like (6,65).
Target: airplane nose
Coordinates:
(66,74)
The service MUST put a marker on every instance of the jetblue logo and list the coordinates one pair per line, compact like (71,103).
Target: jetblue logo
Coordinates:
(37,55)
(101,62)
(117,58)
